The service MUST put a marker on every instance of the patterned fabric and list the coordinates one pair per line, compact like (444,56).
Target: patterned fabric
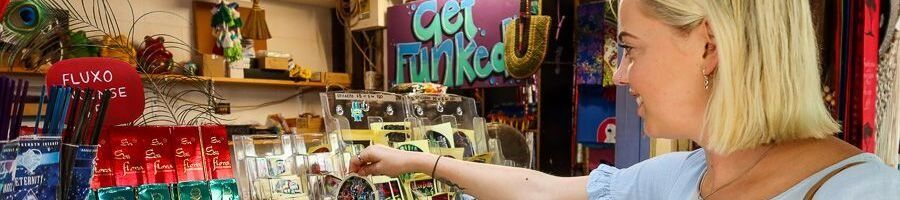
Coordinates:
(596,50)
(888,104)
(226,23)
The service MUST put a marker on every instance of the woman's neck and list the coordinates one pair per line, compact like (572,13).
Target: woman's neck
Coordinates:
(725,169)
(791,161)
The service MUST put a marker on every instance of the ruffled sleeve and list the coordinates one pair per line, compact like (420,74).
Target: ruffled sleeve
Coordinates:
(600,182)
(651,179)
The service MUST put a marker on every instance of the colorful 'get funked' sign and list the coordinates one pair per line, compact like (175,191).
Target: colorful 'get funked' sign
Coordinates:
(104,74)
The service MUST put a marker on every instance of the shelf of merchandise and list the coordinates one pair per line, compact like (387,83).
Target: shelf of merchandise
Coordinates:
(216,80)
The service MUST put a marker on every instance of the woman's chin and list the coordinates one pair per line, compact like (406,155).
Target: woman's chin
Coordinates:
(649,131)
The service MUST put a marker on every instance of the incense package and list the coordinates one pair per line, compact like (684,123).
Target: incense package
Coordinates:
(37,168)
(92,195)
(128,161)
(188,153)
(193,190)
(223,189)
(216,152)
(103,167)
(115,193)
(7,158)
(154,192)
(159,156)
(82,171)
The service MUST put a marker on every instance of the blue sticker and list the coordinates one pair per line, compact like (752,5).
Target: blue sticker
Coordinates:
(356,111)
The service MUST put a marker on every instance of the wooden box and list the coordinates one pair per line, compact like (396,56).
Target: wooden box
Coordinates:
(274,63)
(337,78)
(213,65)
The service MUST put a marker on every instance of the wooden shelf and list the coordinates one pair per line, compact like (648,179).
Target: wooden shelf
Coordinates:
(216,80)
(20,71)
(268,82)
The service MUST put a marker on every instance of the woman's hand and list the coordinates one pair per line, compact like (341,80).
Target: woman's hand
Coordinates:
(383,160)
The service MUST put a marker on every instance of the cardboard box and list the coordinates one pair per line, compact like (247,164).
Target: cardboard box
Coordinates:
(236,72)
(316,77)
(337,78)
(276,63)
(213,65)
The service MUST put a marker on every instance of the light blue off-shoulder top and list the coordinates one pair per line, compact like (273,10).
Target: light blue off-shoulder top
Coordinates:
(677,176)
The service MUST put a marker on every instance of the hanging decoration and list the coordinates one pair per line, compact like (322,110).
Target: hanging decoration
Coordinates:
(596,50)
(226,23)
(525,41)
(257,28)
(861,73)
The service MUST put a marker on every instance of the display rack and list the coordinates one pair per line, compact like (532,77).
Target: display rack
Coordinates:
(217,80)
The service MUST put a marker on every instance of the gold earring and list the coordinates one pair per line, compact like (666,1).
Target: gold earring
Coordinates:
(705,78)
(706,82)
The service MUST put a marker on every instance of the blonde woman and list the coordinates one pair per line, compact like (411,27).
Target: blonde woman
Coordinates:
(738,77)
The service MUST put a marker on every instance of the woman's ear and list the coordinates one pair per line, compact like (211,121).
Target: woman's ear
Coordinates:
(710,50)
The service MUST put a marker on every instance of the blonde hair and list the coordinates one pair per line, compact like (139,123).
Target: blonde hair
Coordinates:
(766,88)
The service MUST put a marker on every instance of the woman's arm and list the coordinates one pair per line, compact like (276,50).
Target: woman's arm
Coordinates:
(480,180)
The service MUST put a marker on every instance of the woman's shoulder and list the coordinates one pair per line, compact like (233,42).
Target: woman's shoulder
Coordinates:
(864,176)
(870,178)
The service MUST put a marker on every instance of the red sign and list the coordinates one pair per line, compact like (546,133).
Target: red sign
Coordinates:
(116,76)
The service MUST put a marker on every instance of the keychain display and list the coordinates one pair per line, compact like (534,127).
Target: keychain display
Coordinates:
(436,111)
(357,188)
(267,167)
(421,186)
(414,146)
(440,135)
(388,188)
(388,133)
(441,124)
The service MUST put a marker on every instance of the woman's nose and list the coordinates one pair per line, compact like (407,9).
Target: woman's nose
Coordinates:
(620,78)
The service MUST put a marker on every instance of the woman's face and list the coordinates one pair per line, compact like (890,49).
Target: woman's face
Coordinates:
(664,68)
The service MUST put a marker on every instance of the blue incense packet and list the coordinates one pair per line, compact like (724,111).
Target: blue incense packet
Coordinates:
(82,171)
(37,168)
(7,162)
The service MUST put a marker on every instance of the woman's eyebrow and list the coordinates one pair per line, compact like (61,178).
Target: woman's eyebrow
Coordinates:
(623,34)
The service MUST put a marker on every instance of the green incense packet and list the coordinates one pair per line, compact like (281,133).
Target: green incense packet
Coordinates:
(154,192)
(224,189)
(116,193)
(193,190)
